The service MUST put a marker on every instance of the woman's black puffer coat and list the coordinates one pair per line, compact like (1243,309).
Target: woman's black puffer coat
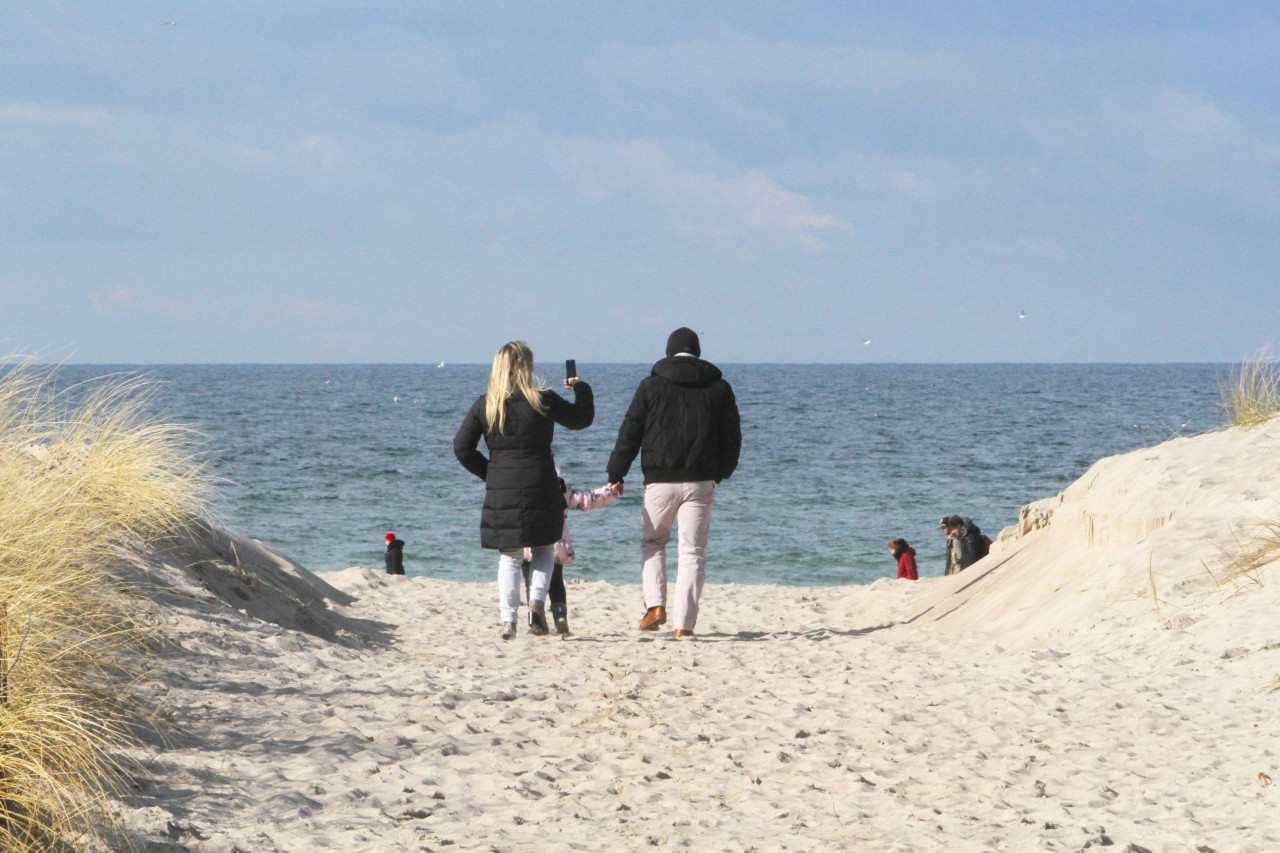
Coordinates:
(523,500)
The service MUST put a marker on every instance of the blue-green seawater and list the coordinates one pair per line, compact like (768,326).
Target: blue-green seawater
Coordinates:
(320,461)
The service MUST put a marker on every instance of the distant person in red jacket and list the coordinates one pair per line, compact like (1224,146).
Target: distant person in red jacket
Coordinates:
(906,557)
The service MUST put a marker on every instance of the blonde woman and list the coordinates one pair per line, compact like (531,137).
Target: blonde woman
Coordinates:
(523,499)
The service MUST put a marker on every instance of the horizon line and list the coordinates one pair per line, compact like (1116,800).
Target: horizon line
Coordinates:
(446,363)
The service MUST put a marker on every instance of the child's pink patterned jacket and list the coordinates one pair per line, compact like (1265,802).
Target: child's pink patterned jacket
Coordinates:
(579,499)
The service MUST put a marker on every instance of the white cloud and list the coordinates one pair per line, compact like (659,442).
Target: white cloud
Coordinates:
(116,302)
(167,303)
(1044,248)
(152,142)
(732,213)
(317,159)
(49,115)
(767,209)
(322,312)
(320,158)
(1181,127)
(914,177)
(112,301)
(1179,138)
(749,65)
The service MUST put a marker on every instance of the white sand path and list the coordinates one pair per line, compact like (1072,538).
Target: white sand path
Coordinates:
(1045,699)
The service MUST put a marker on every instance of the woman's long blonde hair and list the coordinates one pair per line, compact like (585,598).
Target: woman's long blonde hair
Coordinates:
(512,371)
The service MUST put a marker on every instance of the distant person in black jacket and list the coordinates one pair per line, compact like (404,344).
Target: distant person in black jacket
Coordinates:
(523,500)
(683,421)
(395,555)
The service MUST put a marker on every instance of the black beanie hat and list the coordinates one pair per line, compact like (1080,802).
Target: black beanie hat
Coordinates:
(683,339)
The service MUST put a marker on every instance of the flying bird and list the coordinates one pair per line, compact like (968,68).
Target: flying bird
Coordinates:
(867,342)
(1022,315)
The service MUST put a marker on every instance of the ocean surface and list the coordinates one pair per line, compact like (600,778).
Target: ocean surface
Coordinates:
(320,461)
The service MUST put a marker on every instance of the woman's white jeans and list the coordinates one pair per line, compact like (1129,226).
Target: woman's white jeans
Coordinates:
(511,579)
(688,505)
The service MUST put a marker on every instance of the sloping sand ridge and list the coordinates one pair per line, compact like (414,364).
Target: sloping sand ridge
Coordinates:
(1094,682)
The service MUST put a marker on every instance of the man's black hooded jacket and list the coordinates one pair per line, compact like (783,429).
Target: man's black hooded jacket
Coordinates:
(684,423)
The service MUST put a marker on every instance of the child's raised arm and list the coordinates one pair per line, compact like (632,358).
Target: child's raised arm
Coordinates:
(589,499)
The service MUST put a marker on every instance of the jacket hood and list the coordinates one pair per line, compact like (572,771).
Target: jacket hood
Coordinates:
(687,370)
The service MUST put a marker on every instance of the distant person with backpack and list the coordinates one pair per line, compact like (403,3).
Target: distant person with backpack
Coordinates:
(965,543)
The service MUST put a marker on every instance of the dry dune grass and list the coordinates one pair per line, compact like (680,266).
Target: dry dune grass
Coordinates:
(1241,563)
(1251,392)
(1250,398)
(82,473)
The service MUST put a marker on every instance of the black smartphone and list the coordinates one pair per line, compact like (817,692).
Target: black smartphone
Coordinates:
(570,368)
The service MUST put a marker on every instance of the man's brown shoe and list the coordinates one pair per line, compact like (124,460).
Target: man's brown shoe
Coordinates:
(681,632)
(655,617)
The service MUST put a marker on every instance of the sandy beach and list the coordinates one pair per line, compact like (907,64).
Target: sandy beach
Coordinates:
(1097,681)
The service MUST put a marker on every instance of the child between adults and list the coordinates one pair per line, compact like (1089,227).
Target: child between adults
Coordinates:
(906,557)
(584,500)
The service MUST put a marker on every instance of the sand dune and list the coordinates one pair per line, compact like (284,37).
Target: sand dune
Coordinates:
(1094,682)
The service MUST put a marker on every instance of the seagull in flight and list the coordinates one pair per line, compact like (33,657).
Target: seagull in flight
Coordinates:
(1022,315)
(867,342)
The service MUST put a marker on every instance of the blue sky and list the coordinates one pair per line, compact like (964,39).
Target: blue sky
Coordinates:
(416,181)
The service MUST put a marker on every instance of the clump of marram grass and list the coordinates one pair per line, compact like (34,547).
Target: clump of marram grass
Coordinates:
(82,473)
(1251,392)
(1241,563)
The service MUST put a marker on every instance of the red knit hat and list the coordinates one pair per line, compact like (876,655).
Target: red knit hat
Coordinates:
(390,536)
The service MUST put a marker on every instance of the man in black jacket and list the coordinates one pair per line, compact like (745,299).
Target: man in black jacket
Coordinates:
(683,421)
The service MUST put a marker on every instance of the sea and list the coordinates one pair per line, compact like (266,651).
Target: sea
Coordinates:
(321,461)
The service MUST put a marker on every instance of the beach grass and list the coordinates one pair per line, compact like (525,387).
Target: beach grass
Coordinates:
(1242,563)
(84,473)
(1251,392)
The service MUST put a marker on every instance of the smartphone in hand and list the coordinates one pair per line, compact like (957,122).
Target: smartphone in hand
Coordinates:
(570,368)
